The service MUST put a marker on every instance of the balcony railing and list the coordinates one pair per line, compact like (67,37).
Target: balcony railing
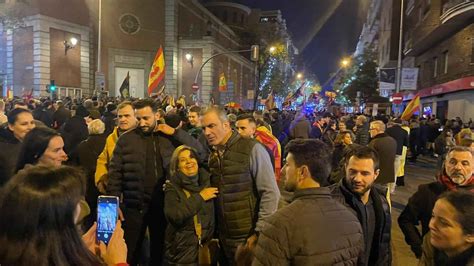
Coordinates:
(454,7)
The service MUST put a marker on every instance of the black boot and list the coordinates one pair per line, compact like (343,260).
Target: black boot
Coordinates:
(401,181)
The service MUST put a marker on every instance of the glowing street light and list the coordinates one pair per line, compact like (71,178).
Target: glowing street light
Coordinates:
(299,76)
(189,57)
(272,49)
(345,62)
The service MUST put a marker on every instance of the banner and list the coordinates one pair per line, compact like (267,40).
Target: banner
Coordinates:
(157,72)
(387,77)
(409,79)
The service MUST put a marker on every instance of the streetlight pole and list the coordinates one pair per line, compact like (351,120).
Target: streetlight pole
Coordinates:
(99,38)
(400,43)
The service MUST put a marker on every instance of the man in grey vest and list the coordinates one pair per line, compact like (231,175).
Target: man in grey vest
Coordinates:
(242,171)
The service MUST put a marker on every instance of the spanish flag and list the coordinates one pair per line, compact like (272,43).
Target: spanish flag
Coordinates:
(157,72)
(411,108)
(222,83)
(270,102)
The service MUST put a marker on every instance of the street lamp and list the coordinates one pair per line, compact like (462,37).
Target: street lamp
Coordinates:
(70,44)
(272,49)
(299,76)
(189,57)
(345,62)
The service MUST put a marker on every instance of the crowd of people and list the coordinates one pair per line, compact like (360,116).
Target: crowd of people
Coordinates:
(209,185)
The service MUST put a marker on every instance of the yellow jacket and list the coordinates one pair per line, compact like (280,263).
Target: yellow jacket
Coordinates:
(105,156)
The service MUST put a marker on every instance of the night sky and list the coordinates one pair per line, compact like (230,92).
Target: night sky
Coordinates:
(323,30)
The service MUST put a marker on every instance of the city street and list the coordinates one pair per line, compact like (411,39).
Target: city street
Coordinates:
(418,173)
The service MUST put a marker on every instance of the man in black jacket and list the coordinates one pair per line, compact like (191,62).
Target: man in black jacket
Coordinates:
(358,192)
(386,148)
(400,135)
(138,171)
(314,229)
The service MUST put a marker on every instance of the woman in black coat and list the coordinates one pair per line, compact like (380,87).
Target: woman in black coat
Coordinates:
(187,194)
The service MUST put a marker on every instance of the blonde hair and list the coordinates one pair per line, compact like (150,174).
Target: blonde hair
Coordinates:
(174,162)
(379,124)
(96,127)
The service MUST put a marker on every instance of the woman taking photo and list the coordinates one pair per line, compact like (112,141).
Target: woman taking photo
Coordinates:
(39,208)
(451,237)
(188,202)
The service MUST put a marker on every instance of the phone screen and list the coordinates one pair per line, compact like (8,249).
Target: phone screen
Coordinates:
(107,215)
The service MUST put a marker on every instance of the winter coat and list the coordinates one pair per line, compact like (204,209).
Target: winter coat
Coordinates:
(9,151)
(44,115)
(181,242)
(380,253)
(129,166)
(103,161)
(386,148)
(313,230)
(109,121)
(73,132)
(400,135)
(329,136)
(300,128)
(418,211)
(61,116)
(362,134)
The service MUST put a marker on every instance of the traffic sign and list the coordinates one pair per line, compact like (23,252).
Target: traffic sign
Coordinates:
(397,98)
(195,87)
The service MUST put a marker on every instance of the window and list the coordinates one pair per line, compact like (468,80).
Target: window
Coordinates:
(435,67)
(446,61)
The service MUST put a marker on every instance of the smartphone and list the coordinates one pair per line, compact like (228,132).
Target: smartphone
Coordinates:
(107,215)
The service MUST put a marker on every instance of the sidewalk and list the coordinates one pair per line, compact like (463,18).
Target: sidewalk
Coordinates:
(421,172)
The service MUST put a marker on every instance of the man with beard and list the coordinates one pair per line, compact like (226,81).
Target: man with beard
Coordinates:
(137,173)
(314,229)
(357,191)
(457,174)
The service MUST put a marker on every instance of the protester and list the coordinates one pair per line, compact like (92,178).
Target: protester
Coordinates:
(362,130)
(300,127)
(3,117)
(442,144)
(188,205)
(300,233)
(359,192)
(242,171)
(40,208)
(451,237)
(61,115)
(386,148)
(341,146)
(194,127)
(20,122)
(75,129)
(42,146)
(401,137)
(457,175)
(126,121)
(138,171)
(109,118)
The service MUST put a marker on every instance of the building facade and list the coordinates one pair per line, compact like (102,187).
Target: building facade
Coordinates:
(439,40)
(131,34)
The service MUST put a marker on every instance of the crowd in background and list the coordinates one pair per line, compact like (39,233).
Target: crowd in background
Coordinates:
(270,187)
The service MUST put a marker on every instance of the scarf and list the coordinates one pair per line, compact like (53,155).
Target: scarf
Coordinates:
(446,180)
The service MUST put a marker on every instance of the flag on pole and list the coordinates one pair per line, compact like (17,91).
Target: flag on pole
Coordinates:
(157,72)
(125,87)
(299,92)
(412,107)
(270,102)
(222,83)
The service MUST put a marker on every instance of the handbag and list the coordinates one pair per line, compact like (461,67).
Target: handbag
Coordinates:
(207,253)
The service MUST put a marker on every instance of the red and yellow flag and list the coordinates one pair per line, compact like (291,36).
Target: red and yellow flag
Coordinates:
(222,82)
(157,72)
(411,108)
(270,102)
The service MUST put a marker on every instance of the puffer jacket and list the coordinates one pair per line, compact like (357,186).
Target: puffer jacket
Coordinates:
(362,134)
(313,230)
(380,253)
(181,242)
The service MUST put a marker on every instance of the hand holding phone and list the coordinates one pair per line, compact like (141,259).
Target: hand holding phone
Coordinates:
(107,216)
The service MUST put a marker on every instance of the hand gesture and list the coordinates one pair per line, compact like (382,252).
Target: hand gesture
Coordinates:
(166,129)
(209,193)
(90,239)
(116,251)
